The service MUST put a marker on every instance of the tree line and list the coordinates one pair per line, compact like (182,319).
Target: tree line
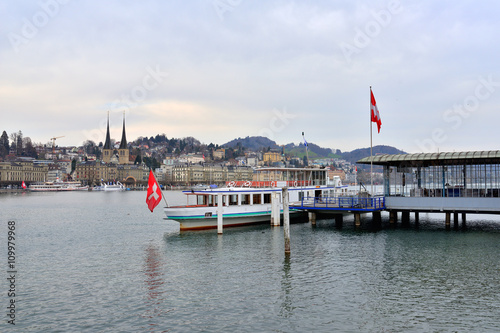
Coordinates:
(16,142)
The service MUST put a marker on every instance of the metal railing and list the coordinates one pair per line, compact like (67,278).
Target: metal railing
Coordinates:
(375,203)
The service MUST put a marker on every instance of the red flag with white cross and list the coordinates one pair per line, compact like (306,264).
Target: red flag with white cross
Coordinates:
(153,196)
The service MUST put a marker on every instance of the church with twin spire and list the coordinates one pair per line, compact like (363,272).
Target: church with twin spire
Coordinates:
(112,155)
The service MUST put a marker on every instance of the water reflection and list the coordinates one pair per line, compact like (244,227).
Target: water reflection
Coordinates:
(286,308)
(153,269)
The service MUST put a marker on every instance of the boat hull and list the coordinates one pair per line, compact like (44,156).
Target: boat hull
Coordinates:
(199,218)
(61,189)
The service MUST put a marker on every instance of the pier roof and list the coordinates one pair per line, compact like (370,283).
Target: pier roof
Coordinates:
(426,159)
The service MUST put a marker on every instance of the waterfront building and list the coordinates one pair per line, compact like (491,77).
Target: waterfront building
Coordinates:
(457,182)
(22,170)
(337,172)
(56,172)
(309,176)
(93,172)
(185,174)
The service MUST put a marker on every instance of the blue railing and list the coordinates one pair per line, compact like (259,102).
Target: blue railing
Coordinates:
(354,203)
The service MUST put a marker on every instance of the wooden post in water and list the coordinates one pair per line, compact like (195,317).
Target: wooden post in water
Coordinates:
(312,217)
(275,209)
(405,218)
(447,220)
(464,220)
(417,216)
(393,217)
(455,220)
(357,219)
(219,213)
(286,220)
(377,219)
(339,219)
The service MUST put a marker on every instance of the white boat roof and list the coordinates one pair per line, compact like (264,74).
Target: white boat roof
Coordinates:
(255,189)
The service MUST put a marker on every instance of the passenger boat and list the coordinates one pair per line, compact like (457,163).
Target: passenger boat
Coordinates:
(112,187)
(58,186)
(248,202)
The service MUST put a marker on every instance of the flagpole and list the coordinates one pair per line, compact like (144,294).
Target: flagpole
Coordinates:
(371,144)
(306,144)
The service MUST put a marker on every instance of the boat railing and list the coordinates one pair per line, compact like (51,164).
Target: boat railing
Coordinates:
(269,183)
(344,202)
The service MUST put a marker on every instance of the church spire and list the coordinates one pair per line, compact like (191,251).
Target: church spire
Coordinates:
(123,143)
(107,144)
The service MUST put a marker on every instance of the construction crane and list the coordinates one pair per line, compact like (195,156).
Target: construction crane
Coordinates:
(54,145)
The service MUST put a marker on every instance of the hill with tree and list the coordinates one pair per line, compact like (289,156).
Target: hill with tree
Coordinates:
(357,154)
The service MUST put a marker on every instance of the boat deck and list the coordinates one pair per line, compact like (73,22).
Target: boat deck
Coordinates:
(340,204)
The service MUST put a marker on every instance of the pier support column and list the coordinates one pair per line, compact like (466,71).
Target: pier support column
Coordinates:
(393,217)
(312,217)
(286,220)
(275,209)
(377,219)
(417,217)
(219,213)
(464,220)
(405,218)
(455,220)
(447,220)
(339,220)
(357,219)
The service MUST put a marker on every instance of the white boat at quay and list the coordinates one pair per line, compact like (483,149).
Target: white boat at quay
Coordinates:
(58,186)
(113,187)
(249,202)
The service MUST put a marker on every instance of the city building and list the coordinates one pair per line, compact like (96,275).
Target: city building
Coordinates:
(112,155)
(271,157)
(206,174)
(22,170)
(219,154)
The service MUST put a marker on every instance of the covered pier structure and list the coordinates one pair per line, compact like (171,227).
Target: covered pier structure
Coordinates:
(449,182)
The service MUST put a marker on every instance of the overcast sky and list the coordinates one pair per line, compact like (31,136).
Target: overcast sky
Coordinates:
(221,69)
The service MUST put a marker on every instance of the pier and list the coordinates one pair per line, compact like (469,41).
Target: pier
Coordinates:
(455,183)
(340,206)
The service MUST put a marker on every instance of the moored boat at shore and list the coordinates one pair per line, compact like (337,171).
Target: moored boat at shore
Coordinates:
(112,187)
(58,186)
(248,202)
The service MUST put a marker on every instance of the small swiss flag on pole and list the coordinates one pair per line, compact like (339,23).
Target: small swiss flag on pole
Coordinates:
(375,113)
(23,185)
(154,195)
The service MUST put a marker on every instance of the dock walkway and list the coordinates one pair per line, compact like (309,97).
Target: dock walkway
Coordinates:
(335,205)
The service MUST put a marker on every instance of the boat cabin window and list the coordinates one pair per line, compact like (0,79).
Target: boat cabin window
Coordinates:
(245,200)
(233,199)
(301,195)
(201,200)
(224,200)
(257,199)
(267,198)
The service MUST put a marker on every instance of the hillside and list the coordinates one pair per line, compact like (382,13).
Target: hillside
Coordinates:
(357,154)
(257,143)
(254,143)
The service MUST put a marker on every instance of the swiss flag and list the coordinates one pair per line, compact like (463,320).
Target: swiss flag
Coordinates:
(153,196)
(375,114)
(23,185)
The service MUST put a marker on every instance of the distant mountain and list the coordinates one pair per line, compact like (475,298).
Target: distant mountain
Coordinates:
(357,154)
(315,151)
(254,143)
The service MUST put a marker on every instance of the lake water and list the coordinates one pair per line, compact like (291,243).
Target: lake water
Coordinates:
(102,262)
